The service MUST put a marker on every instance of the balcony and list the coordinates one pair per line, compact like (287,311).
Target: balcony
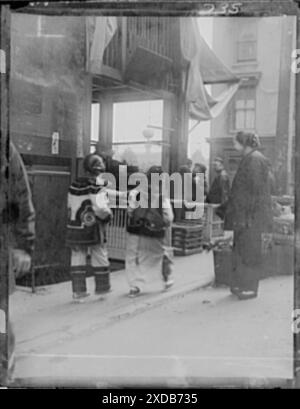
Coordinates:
(143,51)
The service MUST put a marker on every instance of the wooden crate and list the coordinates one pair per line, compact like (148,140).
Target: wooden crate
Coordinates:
(186,239)
(213,226)
(116,235)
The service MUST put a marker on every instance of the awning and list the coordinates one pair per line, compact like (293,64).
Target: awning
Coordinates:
(204,67)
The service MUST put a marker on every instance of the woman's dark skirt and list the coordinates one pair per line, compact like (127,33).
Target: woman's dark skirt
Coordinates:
(247,260)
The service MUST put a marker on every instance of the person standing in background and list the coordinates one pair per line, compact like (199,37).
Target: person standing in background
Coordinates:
(248,215)
(200,168)
(272,179)
(189,164)
(18,229)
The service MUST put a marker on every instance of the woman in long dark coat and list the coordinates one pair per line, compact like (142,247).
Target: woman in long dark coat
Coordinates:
(249,215)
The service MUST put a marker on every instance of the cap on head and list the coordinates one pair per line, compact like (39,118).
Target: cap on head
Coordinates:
(93,163)
(202,168)
(218,159)
(153,170)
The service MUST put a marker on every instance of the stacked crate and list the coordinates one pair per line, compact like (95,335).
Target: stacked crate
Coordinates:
(283,246)
(187,238)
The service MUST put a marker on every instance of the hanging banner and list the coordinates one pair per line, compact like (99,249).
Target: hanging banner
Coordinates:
(104,29)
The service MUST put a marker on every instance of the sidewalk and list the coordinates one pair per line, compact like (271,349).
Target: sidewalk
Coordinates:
(50,316)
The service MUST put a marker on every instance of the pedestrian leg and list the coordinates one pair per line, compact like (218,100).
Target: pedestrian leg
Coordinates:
(78,273)
(135,278)
(167,263)
(101,268)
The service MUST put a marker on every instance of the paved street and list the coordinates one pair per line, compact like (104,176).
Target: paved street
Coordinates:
(206,333)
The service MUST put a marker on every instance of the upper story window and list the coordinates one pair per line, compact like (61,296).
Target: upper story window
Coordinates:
(243,109)
(246,50)
(246,40)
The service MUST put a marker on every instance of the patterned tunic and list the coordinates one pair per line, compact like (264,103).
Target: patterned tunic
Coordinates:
(88,210)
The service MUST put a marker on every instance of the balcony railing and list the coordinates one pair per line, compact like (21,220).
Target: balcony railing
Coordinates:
(156,34)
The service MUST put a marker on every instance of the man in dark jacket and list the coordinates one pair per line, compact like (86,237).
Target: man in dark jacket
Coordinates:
(220,188)
(18,231)
(200,168)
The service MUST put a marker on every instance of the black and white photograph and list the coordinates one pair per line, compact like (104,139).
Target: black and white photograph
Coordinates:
(150,195)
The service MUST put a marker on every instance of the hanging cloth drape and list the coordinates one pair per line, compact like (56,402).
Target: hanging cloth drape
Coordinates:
(101,31)
(204,67)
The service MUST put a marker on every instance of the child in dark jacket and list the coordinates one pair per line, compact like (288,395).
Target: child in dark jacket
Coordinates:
(89,213)
(148,247)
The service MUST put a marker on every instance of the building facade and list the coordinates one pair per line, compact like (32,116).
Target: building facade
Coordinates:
(258,51)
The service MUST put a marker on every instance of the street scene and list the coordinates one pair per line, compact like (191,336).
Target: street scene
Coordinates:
(149,210)
(186,339)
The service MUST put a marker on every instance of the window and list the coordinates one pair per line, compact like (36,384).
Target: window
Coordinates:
(246,34)
(246,50)
(95,115)
(243,109)
(137,133)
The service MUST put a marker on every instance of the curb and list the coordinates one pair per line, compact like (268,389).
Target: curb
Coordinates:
(117,315)
(158,300)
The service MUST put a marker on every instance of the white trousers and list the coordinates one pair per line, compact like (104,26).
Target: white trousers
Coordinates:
(144,258)
(98,256)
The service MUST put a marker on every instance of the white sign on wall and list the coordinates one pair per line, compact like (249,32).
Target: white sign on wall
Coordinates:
(55,143)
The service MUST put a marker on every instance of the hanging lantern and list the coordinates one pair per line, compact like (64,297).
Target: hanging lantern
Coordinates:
(148,134)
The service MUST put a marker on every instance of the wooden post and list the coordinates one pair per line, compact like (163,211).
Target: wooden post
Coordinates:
(87,108)
(124,43)
(297,220)
(106,122)
(167,135)
(283,111)
(4,186)
(173,164)
(183,116)
(179,139)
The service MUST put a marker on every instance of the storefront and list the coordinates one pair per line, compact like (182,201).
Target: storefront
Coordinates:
(61,68)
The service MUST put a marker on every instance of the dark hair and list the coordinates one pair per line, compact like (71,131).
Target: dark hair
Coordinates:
(201,166)
(89,160)
(184,169)
(153,170)
(249,139)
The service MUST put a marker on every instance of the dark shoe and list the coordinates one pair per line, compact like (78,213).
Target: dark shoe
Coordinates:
(169,283)
(235,290)
(247,295)
(103,290)
(80,297)
(134,292)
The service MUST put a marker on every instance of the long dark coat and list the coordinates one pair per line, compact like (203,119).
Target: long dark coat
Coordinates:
(249,209)
(17,215)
